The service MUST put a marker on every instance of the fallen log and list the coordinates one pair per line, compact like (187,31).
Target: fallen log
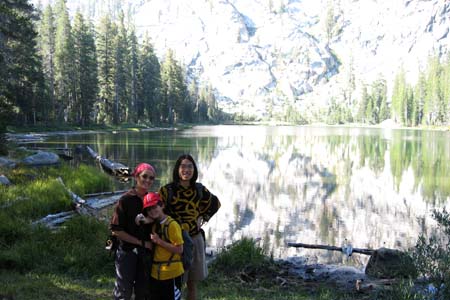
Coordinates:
(105,193)
(346,249)
(113,168)
(50,149)
(99,203)
(81,206)
(54,220)
(77,200)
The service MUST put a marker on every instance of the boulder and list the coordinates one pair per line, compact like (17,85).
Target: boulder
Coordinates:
(41,158)
(4,180)
(389,263)
(6,163)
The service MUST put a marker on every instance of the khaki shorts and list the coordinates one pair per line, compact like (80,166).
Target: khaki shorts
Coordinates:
(199,270)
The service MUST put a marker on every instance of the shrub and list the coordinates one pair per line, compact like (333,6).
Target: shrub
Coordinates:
(432,255)
(244,254)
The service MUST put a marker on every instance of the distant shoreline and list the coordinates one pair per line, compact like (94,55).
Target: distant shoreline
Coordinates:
(40,135)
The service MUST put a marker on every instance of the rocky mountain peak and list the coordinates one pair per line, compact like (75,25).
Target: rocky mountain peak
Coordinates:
(265,56)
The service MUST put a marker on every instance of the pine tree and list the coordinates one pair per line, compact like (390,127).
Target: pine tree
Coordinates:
(212,105)
(193,91)
(433,97)
(150,84)
(203,106)
(361,115)
(419,99)
(120,48)
(46,45)
(379,96)
(445,88)
(64,65)
(170,89)
(106,69)
(133,80)
(21,77)
(399,98)
(85,70)
(409,112)
(183,107)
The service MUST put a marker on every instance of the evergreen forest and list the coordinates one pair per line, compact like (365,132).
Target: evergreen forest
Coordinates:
(58,71)
(67,71)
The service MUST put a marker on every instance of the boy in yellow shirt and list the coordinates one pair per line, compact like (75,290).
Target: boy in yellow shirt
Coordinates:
(167,268)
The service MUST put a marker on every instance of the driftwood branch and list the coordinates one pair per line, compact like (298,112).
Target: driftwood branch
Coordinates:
(113,168)
(346,250)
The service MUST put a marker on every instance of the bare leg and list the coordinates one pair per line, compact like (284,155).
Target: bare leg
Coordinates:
(191,290)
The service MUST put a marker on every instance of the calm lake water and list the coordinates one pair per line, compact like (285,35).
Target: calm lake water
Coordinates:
(318,185)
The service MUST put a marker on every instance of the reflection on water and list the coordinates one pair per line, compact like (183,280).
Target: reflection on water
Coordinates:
(316,185)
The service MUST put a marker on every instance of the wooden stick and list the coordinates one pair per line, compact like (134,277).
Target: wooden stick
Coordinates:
(331,248)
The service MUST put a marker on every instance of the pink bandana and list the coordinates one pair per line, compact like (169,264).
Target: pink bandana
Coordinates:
(141,168)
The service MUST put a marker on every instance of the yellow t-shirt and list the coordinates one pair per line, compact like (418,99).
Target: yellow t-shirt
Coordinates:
(161,268)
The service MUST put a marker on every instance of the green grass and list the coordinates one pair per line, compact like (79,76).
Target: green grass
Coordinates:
(36,192)
(71,262)
(243,271)
(37,286)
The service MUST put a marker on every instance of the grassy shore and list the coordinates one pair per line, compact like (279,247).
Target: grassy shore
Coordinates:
(71,262)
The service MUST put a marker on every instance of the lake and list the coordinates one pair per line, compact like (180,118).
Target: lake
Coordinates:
(318,185)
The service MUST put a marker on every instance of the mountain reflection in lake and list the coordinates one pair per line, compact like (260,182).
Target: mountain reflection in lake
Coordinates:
(316,185)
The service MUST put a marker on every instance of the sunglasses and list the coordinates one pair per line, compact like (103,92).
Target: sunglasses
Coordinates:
(145,176)
(187,166)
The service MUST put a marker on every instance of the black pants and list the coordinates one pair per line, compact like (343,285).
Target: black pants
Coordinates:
(169,289)
(131,275)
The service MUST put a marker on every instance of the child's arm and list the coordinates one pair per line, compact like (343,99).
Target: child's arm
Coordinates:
(177,249)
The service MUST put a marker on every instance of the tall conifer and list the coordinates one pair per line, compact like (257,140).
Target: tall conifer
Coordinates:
(85,70)
(133,64)
(64,65)
(149,84)
(120,48)
(105,57)
(46,44)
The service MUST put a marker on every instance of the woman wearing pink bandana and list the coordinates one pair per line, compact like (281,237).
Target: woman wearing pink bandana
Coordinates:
(131,274)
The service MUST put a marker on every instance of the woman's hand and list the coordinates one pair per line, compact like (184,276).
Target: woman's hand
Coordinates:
(155,238)
(141,219)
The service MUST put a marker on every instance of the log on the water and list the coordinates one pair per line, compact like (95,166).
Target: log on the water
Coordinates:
(114,168)
(346,250)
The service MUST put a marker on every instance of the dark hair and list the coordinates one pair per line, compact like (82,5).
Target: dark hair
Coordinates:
(176,168)
(145,210)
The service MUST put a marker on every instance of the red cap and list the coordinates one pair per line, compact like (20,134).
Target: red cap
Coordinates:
(151,199)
